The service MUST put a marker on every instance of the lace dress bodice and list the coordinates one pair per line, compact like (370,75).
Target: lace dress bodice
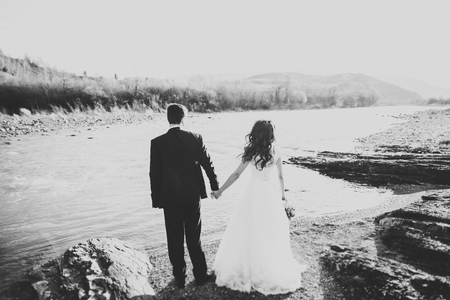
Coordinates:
(266,173)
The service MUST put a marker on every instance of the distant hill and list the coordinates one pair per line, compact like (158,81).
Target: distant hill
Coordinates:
(424,89)
(186,80)
(387,93)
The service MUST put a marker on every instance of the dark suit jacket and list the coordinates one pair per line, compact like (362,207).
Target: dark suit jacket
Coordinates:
(176,178)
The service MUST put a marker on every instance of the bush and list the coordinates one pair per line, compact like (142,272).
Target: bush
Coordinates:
(440,101)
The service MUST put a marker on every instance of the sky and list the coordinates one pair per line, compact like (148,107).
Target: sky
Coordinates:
(166,39)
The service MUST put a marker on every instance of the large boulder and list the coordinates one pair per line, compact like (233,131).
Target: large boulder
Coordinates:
(103,269)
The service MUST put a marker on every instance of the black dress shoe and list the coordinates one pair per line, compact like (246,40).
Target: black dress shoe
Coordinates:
(204,279)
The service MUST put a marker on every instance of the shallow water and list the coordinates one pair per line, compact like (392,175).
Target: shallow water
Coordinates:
(64,188)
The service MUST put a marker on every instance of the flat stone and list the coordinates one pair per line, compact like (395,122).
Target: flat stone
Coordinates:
(418,234)
(355,275)
(380,169)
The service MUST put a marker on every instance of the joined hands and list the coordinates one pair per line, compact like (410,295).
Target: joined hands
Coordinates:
(216,194)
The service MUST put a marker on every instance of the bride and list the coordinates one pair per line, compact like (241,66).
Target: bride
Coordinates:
(255,252)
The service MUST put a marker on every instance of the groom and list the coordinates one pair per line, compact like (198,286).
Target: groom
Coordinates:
(177,185)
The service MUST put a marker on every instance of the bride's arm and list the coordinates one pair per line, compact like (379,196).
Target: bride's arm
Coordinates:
(233,177)
(280,177)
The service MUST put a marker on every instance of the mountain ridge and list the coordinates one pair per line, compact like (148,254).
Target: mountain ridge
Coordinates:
(387,93)
(424,89)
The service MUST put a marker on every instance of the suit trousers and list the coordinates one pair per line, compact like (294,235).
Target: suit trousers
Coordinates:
(181,220)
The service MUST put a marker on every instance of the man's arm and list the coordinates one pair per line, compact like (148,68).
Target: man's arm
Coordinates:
(207,164)
(155,174)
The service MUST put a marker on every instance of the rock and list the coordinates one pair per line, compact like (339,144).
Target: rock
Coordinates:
(355,275)
(26,112)
(41,289)
(436,196)
(380,169)
(96,269)
(418,234)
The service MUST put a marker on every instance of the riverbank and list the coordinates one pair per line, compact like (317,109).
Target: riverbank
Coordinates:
(424,132)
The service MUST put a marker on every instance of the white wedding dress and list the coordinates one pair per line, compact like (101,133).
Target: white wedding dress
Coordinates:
(255,252)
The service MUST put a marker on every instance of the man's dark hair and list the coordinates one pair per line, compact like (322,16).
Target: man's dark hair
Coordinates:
(175,113)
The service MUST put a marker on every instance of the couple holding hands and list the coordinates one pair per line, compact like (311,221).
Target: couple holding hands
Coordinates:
(255,251)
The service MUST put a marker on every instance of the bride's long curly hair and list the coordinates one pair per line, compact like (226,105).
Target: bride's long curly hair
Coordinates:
(259,144)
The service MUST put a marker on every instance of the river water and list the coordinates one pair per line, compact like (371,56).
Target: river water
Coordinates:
(73,185)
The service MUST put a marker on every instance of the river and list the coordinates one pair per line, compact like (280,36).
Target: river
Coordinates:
(66,187)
